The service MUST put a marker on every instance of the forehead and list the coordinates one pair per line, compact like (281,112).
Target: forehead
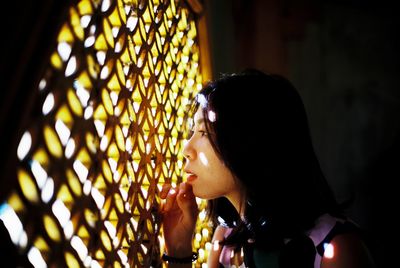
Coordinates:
(198,116)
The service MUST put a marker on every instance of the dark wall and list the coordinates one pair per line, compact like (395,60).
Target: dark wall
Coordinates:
(343,57)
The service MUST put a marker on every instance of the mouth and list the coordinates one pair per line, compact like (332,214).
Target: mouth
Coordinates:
(190,176)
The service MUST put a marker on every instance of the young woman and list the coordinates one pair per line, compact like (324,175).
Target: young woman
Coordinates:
(252,158)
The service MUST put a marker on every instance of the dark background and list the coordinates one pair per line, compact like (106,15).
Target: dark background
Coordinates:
(343,58)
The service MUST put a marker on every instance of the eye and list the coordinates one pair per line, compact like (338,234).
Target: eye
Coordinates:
(202,133)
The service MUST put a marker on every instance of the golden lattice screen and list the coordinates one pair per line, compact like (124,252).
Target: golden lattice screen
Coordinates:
(104,136)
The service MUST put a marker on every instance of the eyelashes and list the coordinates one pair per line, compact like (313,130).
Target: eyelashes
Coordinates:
(202,133)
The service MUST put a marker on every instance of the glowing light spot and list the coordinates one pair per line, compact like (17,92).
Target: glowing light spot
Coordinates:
(114,97)
(87,187)
(35,257)
(103,143)
(61,212)
(134,223)
(212,116)
(42,84)
(201,99)
(221,221)
(101,57)
(144,248)
(70,148)
(64,49)
(62,131)
(92,28)
(88,112)
(79,247)
(48,190)
(190,82)
(98,198)
(88,260)
(104,72)
(117,47)
(99,127)
(24,145)
(68,229)
(85,20)
(11,222)
(216,245)
(208,246)
(115,31)
(105,5)
(110,228)
(89,41)
(122,256)
(136,106)
(71,66)
(205,232)
(201,253)
(39,173)
(329,250)
(124,194)
(137,49)
(48,104)
(82,93)
(94,264)
(203,158)
(113,164)
(202,215)
(128,146)
(140,62)
(23,240)
(81,170)
(131,23)
(197,237)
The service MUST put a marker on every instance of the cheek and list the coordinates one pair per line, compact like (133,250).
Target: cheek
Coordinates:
(203,159)
(224,175)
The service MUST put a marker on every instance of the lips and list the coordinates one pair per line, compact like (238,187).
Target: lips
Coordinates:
(190,176)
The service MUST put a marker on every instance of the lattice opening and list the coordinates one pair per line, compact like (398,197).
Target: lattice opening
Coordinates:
(106,133)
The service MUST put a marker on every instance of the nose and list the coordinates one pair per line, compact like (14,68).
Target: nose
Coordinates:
(188,151)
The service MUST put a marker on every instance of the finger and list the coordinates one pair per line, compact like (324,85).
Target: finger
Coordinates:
(165,189)
(186,191)
(187,201)
(170,199)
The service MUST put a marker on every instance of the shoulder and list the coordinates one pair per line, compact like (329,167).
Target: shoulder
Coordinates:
(219,235)
(220,232)
(347,250)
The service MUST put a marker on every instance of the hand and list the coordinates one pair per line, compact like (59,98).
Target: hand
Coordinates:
(179,216)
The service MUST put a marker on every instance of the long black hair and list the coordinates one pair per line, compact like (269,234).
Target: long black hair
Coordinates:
(261,133)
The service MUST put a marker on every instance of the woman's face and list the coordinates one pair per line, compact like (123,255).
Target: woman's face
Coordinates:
(206,172)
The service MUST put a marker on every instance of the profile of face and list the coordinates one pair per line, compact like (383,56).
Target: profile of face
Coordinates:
(206,171)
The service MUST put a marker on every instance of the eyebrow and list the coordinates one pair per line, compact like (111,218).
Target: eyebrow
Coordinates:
(199,121)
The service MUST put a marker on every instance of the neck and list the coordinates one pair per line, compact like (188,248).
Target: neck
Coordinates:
(238,201)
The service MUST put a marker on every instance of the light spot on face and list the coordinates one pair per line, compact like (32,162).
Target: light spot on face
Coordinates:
(201,99)
(203,158)
(212,116)
(329,250)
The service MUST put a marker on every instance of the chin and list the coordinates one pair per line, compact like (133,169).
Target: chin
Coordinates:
(203,195)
